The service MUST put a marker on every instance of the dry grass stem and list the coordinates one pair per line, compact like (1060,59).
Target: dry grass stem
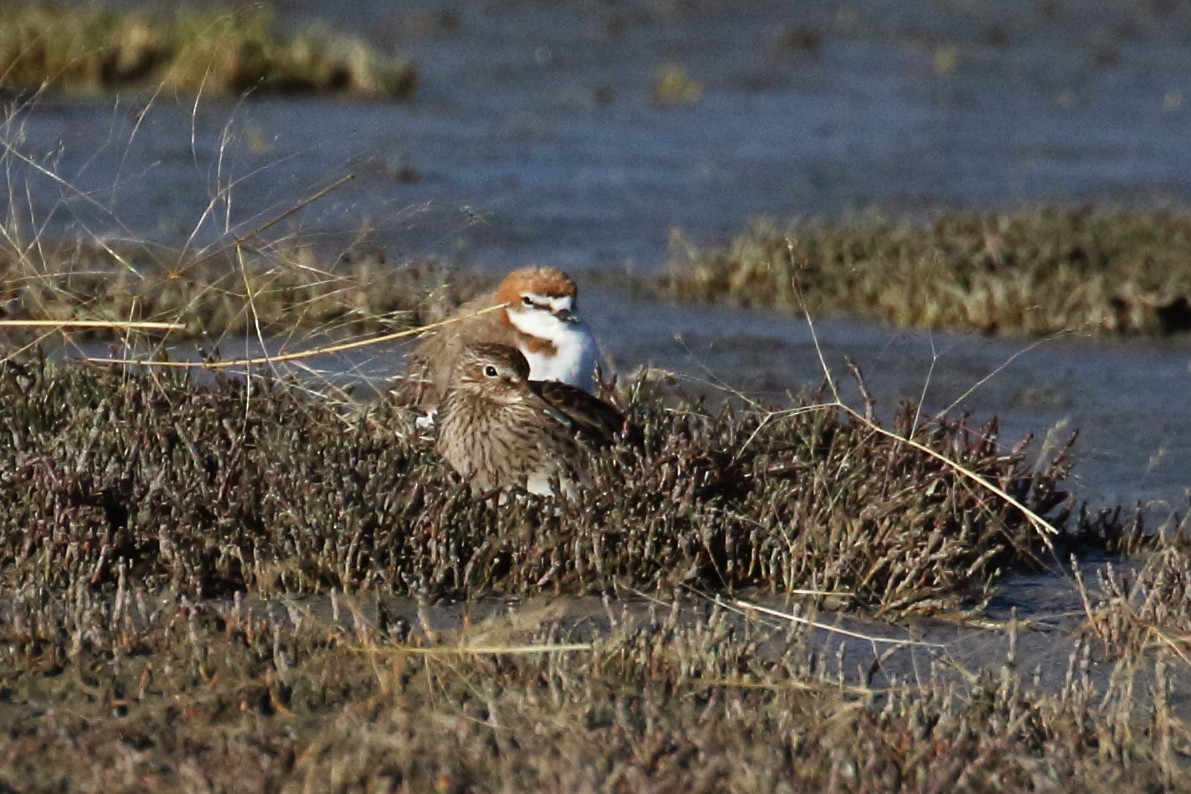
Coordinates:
(792,618)
(480,650)
(109,325)
(279,358)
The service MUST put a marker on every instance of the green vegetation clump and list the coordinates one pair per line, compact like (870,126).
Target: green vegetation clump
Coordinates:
(92,49)
(1050,271)
(673,86)
(1086,270)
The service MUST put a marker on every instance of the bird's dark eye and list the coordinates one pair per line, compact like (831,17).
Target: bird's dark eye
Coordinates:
(490,371)
(527,301)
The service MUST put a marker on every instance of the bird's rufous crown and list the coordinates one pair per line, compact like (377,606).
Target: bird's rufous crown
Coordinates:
(545,281)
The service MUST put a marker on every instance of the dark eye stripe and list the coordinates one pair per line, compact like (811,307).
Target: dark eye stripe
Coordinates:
(546,304)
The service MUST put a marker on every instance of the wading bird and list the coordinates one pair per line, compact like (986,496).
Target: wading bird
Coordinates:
(498,428)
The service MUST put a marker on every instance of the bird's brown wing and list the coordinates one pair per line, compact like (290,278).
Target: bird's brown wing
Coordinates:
(429,366)
(594,421)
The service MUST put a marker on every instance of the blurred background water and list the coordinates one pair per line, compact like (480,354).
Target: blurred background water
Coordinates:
(535,133)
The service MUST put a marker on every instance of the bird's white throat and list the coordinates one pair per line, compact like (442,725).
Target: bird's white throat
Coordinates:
(577,351)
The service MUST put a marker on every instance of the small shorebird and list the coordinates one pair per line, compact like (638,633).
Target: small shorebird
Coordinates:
(538,316)
(498,428)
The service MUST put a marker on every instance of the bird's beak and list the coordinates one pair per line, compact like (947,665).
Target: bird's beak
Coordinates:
(567,316)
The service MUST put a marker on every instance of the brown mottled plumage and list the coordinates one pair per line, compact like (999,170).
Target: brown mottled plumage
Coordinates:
(497,428)
(538,315)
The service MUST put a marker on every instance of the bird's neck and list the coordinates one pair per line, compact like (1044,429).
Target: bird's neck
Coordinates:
(481,409)
(556,350)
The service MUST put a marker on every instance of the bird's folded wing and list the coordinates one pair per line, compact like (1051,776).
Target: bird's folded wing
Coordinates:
(593,420)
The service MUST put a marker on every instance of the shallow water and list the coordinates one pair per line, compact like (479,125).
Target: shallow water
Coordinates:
(534,134)
(853,649)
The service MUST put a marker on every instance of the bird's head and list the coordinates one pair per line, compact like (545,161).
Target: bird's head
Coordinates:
(540,301)
(496,372)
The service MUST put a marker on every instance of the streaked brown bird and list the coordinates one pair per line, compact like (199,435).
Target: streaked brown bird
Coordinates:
(538,315)
(497,428)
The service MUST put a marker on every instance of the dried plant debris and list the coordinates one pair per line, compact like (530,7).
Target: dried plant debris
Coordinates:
(89,49)
(1088,270)
(136,692)
(253,486)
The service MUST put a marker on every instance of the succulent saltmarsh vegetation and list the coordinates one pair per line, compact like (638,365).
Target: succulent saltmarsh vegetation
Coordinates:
(1132,612)
(250,485)
(135,691)
(1035,271)
(86,48)
(226,582)
(167,548)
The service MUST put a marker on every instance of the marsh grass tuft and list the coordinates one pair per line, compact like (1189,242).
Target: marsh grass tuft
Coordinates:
(91,49)
(673,86)
(1042,271)
(1087,271)
(275,288)
(252,485)
(1147,607)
